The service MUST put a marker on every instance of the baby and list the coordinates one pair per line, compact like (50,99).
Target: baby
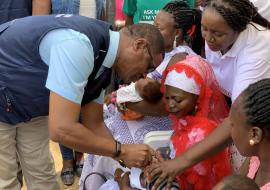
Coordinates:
(236,182)
(148,89)
(141,184)
(137,180)
(144,89)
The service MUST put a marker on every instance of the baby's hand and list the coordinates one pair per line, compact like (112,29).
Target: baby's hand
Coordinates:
(121,108)
(122,179)
(107,99)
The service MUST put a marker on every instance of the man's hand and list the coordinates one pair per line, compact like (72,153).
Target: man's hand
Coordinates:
(136,155)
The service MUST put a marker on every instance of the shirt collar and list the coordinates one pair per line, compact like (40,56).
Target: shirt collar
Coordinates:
(238,45)
(112,51)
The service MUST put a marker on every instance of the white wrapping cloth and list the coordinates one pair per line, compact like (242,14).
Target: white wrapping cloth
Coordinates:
(127,94)
(109,185)
(134,178)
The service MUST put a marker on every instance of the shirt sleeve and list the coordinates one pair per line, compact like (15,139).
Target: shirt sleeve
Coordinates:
(71,61)
(129,7)
(155,75)
(248,72)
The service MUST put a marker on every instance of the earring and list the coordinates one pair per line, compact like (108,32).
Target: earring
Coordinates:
(251,142)
(175,41)
(196,108)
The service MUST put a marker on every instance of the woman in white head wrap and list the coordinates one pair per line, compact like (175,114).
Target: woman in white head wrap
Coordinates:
(195,107)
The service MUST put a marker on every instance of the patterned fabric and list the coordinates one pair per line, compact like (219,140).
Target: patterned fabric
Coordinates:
(127,132)
(132,132)
(236,159)
(191,129)
(253,168)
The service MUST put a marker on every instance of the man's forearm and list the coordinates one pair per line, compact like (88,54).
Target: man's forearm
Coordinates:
(41,7)
(86,140)
(150,109)
(103,132)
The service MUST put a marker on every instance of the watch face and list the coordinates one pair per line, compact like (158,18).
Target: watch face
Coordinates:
(117,149)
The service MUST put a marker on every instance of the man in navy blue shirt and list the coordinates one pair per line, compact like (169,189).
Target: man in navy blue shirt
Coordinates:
(59,66)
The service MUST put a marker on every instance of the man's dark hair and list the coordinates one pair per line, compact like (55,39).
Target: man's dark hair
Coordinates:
(239,182)
(238,13)
(151,34)
(257,104)
(186,18)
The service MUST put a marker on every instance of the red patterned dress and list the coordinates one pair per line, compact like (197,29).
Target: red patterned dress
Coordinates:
(191,129)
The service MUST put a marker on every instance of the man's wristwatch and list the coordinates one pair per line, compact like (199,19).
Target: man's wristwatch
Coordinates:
(118,152)
(117,149)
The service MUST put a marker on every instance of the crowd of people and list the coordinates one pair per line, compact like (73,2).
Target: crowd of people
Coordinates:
(200,68)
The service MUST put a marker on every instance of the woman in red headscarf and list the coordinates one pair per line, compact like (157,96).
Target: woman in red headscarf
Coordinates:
(196,106)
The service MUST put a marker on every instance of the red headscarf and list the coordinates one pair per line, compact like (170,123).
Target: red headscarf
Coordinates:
(211,101)
(191,129)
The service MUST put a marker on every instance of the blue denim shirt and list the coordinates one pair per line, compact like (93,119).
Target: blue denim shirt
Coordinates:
(65,6)
(73,7)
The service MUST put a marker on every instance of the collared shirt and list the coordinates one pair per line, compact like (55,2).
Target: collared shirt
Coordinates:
(263,7)
(246,62)
(70,57)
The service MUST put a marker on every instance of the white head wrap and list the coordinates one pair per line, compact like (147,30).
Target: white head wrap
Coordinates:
(181,81)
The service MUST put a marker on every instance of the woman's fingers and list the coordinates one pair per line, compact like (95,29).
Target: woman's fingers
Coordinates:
(153,167)
(155,172)
(169,183)
(159,156)
(151,154)
(159,180)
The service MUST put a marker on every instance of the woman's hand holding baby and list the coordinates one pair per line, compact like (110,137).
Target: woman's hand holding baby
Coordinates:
(161,170)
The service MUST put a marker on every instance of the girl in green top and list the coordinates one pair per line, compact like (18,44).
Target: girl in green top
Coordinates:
(146,10)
